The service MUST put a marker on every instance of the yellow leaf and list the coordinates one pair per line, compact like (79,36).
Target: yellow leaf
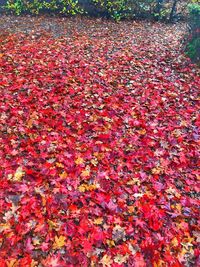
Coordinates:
(79,161)
(10,176)
(93,118)
(52,224)
(4,226)
(131,209)
(94,162)
(120,259)
(160,263)
(12,263)
(106,261)
(60,165)
(98,221)
(174,242)
(184,123)
(187,243)
(44,201)
(98,155)
(134,115)
(36,241)
(107,119)
(177,133)
(183,252)
(190,239)
(157,170)
(107,149)
(170,191)
(82,188)
(30,123)
(85,187)
(142,131)
(110,243)
(134,181)
(92,187)
(33,117)
(34,263)
(86,172)
(18,174)
(59,242)
(63,175)
(178,207)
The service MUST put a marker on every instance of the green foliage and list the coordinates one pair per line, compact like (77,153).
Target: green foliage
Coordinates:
(116,9)
(70,7)
(34,6)
(193,46)
(194,10)
(193,49)
(16,7)
(120,9)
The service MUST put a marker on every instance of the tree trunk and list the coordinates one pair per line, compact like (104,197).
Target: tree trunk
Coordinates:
(159,6)
(173,10)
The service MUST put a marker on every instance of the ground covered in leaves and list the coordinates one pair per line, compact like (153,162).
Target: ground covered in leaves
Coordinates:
(99,144)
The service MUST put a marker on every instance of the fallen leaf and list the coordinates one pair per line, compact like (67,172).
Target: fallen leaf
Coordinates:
(59,242)
(106,261)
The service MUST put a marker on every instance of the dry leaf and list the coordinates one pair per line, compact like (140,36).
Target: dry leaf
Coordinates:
(59,242)
(79,161)
(120,259)
(106,261)
(12,263)
(63,175)
(18,174)
(98,221)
